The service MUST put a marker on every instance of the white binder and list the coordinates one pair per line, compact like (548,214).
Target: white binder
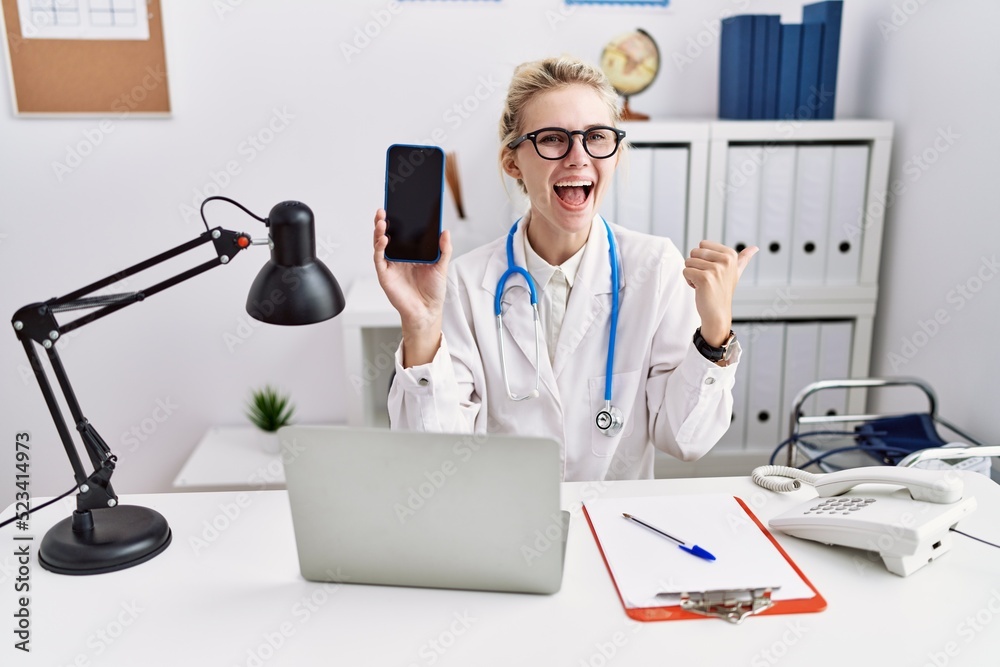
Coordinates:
(670,185)
(743,177)
(801,368)
(767,341)
(735,437)
(835,341)
(847,203)
(635,196)
(777,212)
(814,169)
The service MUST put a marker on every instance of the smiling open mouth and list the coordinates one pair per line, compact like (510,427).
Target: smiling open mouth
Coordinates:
(573,193)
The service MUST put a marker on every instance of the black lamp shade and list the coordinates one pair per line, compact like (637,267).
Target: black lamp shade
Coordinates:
(294,287)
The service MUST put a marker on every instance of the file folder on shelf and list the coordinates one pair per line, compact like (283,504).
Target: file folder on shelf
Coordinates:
(656,581)
(735,438)
(743,201)
(847,204)
(670,186)
(814,168)
(634,198)
(777,212)
(764,389)
(801,364)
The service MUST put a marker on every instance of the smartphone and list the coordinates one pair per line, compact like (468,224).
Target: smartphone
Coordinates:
(414,192)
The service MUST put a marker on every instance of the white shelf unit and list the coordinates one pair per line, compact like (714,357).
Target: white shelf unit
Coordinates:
(371,334)
(371,326)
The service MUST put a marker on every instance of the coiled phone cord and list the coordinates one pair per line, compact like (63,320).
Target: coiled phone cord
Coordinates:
(782,478)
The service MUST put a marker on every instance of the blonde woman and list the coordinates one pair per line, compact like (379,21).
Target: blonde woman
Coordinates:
(633,346)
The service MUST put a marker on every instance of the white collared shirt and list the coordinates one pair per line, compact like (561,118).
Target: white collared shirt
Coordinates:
(553,284)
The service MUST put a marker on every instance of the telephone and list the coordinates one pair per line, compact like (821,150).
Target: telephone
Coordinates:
(909,527)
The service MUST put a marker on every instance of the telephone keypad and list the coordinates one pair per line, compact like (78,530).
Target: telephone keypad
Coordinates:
(839,505)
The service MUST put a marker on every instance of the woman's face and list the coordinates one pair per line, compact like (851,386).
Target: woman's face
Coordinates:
(565,194)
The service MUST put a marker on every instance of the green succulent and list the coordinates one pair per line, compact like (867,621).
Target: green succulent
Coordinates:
(269,410)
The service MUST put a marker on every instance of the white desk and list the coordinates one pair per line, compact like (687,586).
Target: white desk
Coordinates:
(232,458)
(236,598)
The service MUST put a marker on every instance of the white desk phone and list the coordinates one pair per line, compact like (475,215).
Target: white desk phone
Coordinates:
(909,527)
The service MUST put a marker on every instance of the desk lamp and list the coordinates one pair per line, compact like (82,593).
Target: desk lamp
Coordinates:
(293,288)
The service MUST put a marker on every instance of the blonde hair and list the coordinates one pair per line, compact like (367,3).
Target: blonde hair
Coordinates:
(541,76)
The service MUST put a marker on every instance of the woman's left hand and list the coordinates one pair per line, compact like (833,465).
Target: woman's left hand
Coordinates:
(713,270)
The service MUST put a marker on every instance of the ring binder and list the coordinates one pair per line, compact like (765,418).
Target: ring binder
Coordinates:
(730,605)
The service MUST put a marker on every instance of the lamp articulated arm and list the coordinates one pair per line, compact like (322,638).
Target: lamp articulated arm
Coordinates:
(36,324)
(293,288)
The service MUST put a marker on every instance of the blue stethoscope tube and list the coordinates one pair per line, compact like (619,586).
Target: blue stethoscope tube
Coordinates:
(609,420)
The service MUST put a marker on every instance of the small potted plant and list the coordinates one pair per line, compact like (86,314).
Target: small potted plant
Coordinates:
(269,410)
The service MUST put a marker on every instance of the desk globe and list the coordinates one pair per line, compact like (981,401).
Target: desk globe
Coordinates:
(631,62)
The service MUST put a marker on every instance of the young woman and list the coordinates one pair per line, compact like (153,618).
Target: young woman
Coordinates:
(634,347)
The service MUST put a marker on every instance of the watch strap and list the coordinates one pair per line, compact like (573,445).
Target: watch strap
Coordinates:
(710,352)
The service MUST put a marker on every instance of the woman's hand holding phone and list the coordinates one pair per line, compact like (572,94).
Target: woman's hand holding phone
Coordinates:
(417,292)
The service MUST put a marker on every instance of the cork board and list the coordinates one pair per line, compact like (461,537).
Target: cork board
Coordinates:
(87,76)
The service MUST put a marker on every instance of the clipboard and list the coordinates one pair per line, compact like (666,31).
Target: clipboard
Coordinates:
(657,581)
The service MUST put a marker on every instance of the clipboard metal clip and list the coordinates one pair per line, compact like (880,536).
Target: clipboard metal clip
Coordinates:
(731,605)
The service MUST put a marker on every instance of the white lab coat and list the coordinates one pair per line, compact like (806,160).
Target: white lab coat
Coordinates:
(670,395)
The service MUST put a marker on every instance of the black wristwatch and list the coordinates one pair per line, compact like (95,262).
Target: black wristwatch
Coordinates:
(714,354)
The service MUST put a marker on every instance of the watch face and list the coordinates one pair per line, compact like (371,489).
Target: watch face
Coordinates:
(729,347)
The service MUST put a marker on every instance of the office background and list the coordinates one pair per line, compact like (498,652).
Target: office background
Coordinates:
(299,100)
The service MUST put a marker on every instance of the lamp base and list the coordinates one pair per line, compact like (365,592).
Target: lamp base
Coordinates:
(104,540)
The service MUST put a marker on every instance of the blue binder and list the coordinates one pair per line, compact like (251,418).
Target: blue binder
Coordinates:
(788,71)
(812,48)
(829,14)
(735,59)
(772,55)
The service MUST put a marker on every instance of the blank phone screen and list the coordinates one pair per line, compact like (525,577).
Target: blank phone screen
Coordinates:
(413,189)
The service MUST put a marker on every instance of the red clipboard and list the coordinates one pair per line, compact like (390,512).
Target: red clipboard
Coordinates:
(815,603)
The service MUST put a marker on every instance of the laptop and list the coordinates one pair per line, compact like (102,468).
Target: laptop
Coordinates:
(467,511)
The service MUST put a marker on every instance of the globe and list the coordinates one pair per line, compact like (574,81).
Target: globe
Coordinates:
(631,62)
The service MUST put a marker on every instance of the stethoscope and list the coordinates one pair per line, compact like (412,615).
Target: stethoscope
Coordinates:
(609,420)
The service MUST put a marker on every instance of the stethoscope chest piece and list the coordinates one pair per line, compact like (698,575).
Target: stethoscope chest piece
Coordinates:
(610,421)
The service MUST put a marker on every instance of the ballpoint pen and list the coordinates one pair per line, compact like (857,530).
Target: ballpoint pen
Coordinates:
(694,549)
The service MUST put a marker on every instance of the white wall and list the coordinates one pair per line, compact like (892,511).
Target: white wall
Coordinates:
(233,74)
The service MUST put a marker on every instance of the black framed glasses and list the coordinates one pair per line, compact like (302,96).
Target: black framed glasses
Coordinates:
(555,143)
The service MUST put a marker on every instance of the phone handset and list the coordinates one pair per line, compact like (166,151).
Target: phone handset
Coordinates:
(935,486)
